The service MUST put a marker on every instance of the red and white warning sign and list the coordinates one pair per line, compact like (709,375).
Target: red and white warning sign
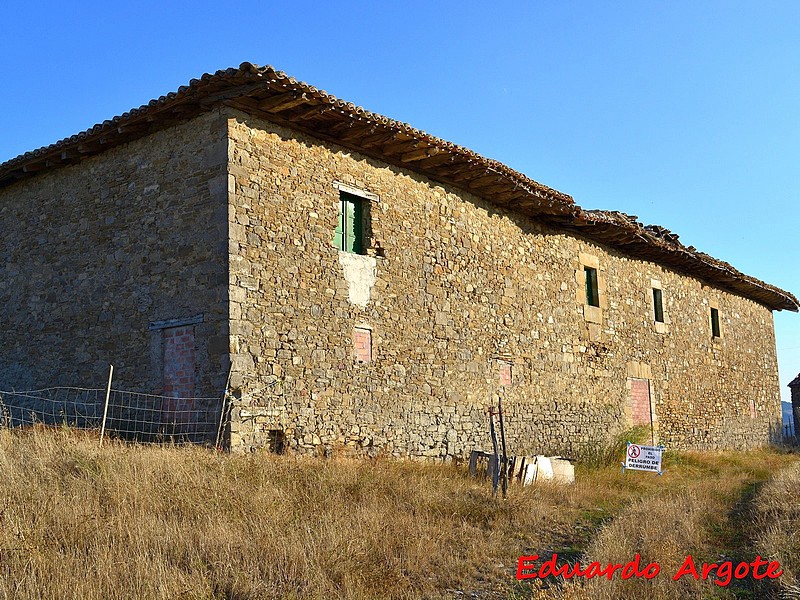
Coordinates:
(644,458)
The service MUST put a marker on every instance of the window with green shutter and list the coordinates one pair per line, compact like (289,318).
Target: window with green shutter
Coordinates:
(349,235)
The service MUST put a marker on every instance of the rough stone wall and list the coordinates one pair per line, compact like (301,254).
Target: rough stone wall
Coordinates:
(795,388)
(453,290)
(456,304)
(92,253)
(707,392)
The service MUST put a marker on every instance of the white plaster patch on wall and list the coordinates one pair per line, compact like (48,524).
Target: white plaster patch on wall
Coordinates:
(360,273)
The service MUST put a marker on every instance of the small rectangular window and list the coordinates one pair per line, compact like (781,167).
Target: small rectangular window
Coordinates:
(715,323)
(350,234)
(658,306)
(592,295)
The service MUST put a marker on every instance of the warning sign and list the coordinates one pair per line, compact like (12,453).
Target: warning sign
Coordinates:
(644,458)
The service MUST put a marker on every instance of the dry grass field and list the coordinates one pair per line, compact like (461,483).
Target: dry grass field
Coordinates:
(777,523)
(78,521)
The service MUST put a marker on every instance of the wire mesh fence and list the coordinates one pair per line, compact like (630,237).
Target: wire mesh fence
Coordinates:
(131,416)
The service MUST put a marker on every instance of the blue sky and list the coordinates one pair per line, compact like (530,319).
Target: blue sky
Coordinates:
(686,114)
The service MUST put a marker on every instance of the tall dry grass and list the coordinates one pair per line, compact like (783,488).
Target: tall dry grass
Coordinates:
(123,521)
(702,508)
(662,530)
(77,521)
(777,521)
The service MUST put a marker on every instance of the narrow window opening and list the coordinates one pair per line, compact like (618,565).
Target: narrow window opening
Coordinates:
(658,305)
(715,323)
(592,295)
(353,224)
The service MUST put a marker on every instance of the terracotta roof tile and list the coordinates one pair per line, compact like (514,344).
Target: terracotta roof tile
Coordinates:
(658,244)
(275,96)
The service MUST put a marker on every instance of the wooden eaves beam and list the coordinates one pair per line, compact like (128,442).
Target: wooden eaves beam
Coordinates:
(489,180)
(229,94)
(335,130)
(378,139)
(402,147)
(456,170)
(437,161)
(466,174)
(421,153)
(283,102)
(310,113)
(33,167)
(357,132)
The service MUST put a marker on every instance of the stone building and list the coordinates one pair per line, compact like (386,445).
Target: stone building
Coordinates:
(794,386)
(363,285)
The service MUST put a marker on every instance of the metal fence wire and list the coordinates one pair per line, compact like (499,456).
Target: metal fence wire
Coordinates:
(146,418)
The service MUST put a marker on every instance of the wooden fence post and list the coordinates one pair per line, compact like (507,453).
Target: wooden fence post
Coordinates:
(105,408)
(224,406)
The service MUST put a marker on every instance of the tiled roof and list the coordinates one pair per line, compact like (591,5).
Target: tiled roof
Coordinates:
(795,381)
(274,96)
(660,245)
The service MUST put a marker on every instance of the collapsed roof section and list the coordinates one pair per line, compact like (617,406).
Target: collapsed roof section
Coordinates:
(660,245)
(274,96)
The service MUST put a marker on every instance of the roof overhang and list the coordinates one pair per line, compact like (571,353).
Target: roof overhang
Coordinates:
(274,96)
(659,245)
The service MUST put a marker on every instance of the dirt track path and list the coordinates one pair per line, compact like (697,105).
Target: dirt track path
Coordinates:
(708,514)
